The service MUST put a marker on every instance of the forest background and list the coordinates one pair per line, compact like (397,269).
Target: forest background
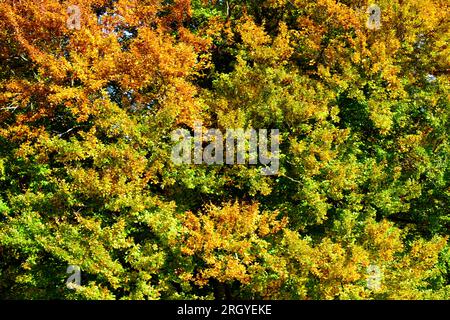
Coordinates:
(86,176)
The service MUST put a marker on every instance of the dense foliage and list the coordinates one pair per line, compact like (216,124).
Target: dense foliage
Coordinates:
(86,176)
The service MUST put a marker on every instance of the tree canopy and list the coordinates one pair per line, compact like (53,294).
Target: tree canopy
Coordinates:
(87,108)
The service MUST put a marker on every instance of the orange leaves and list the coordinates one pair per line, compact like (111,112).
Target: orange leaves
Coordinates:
(230,240)
(234,220)
(155,54)
(81,63)
(179,11)
(85,170)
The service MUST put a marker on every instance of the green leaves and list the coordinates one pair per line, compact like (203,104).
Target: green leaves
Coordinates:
(86,176)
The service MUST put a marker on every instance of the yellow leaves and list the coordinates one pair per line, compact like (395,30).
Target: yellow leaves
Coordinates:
(408,274)
(60,94)
(282,49)
(343,176)
(94,291)
(230,117)
(262,47)
(381,115)
(323,71)
(269,225)
(297,147)
(383,239)
(410,141)
(341,269)
(87,113)
(356,57)
(425,254)
(390,74)
(227,239)
(298,249)
(337,267)
(73,98)
(328,259)
(89,245)
(148,258)
(232,270)
(252,35)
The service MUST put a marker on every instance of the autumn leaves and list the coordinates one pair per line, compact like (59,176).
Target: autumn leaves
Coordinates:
(133,135)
